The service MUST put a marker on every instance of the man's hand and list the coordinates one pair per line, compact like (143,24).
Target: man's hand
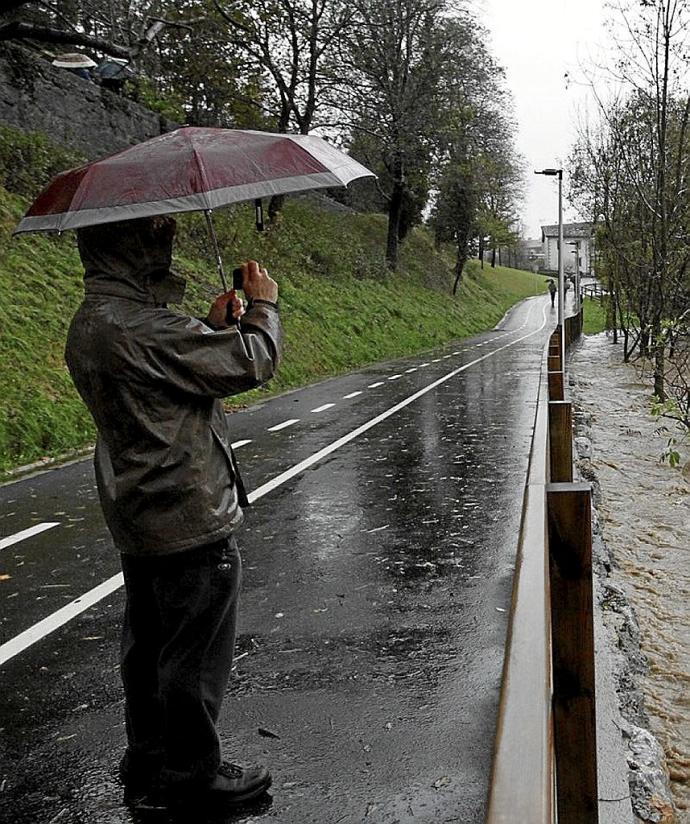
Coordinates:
(219,317)
(257,284)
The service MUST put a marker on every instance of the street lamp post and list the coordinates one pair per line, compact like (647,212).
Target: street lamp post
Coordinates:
(561,275)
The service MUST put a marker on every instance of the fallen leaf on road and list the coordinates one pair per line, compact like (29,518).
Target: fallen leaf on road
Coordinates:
(5,577)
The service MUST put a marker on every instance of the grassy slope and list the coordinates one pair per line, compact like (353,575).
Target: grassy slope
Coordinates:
(340,308)
(595,317)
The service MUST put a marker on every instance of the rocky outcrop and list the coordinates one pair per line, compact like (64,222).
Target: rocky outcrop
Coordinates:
(36,96)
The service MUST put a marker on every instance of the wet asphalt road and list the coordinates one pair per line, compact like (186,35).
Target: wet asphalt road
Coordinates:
(376,588)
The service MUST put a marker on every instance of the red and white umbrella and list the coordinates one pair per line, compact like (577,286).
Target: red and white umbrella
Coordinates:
(190,169)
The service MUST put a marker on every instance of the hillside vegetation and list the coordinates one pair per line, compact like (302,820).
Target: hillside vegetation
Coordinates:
(341,309)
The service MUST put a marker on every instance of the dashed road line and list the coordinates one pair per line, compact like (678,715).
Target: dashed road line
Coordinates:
(283,425)
(394,377)
(426,363)
(238,444)
(352,395)
(413,369)
(62,616)
(27,533)
(374,385)
(323,408)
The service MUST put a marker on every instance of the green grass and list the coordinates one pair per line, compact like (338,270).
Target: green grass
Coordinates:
(341,308)
(595,317)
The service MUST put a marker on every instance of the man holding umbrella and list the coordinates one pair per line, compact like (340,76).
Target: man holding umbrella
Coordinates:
(171,492)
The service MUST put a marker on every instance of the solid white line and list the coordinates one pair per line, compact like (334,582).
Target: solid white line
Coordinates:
(352,395)
(25,639)
(394,377)
(238,444)
(69,611)
(323,408)
(27,533)
(283,425)
(374,385)
(413,369)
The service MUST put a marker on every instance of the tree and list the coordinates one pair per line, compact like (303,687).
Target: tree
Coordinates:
(391,56)
(479,177)
(123,29)
(637,167)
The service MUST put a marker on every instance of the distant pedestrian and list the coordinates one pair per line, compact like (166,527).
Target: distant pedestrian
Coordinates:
(553,289)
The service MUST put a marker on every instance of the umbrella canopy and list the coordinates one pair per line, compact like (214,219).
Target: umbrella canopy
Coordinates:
(74,60)
(190,169)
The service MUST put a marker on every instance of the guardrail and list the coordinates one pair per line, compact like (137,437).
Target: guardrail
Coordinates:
(595,290)
(545,767)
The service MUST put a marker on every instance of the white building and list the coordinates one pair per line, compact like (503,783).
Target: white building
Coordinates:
(578,245)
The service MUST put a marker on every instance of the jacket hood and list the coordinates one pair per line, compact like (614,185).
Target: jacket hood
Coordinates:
(131,259)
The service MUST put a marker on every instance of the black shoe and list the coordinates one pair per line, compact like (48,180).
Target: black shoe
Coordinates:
(235,785)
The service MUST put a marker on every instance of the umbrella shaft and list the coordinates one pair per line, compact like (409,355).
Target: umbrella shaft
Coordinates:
(219,261)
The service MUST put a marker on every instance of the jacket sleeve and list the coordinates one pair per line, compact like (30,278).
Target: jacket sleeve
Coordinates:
(190,357)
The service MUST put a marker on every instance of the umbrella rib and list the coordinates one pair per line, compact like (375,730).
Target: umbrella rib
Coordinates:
(202,171)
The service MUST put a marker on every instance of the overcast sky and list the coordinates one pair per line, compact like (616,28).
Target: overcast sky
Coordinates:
(538,41)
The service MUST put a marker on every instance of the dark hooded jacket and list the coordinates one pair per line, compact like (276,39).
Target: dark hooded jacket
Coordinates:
(152,380)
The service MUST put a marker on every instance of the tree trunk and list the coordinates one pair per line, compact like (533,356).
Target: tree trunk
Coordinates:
(275,206)
(659,362)
(394,211)
(493,257)
(460,261)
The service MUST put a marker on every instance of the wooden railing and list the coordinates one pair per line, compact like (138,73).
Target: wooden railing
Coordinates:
(544,768)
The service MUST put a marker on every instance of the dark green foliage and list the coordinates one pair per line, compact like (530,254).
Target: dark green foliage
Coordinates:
(28,160)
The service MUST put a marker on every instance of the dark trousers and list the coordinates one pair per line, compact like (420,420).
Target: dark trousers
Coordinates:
(177,648)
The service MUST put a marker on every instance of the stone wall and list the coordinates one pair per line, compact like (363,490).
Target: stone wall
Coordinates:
(35,96)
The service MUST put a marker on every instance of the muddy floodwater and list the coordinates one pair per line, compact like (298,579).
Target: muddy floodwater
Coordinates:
(645,509)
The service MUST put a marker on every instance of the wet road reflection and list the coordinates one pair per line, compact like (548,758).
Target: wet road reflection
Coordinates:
(373,618)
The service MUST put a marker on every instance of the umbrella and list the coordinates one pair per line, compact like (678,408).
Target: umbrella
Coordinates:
(73,60)
(190,169)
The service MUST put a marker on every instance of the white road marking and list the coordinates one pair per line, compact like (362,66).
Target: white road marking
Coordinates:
(323,408)
(27,533)
(283,425)
(445,357)
(413,369)
(423,364)
(25,639)
(238,444)
(436,360)
(62,616)
(351,395)
(279,480)
(394,377)
(374,385)
(457,353)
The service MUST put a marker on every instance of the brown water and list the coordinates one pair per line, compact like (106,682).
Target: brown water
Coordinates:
(646,514)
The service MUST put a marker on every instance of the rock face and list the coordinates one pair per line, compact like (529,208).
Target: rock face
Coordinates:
(36,96)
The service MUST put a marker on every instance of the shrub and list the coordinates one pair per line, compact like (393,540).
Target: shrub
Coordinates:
(28,160)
